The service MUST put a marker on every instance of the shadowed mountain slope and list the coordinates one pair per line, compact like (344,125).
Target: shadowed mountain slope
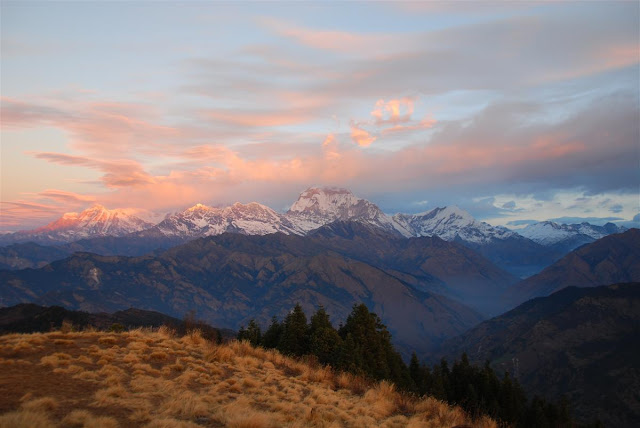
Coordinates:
(614,258)
(428,263)
(580,342)
(29,255)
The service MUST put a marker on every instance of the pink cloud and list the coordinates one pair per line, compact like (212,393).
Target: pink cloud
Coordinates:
(330,148)
(19,215)
(117,173)
(106,129)
(65,197)
(332,40)
(361,137)
(394,111)
(260,118)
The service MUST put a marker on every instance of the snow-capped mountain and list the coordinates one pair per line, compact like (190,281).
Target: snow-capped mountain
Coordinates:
(514,253)
(318,206)
(570,236)
(93,222)
(314,208)
(201,220)
(449,223)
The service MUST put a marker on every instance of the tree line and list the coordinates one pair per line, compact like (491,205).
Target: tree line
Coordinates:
(362,345)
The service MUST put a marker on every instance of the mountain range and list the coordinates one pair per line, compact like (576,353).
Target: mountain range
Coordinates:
(114,232)
(567,237)
(228,279)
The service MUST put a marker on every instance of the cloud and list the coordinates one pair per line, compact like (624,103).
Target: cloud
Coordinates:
(67,198)
(517,223)
(361,137)
(118,173)
(501,54)
(460,157)
(426,123)
(106,129)
(20,214)
(330,148)
(394,111)
(259,118)
(331,40)
(616,208)
(395,116)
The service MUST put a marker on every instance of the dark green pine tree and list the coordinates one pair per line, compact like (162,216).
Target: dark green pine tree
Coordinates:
(348,359)
(271,337)
(252,333)
(324,341)
(416,373)
(295,334)
(439,381)
(374,354)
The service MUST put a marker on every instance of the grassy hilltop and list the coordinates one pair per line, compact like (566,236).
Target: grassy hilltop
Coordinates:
(154,379)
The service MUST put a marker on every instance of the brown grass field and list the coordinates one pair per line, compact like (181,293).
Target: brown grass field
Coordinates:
(153,379)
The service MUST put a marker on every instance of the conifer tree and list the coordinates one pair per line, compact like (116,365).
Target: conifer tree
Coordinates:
(324,340)
(295,334)
(252,333)
(271,337)
(416,373)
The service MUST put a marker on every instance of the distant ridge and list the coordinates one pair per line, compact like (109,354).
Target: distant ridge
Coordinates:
(567,237)
(31,318)
(614,258)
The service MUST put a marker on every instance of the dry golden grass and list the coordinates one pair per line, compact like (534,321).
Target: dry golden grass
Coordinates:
(153,379)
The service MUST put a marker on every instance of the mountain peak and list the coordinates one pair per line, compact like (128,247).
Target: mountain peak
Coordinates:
(92,222)
(198,207)
(325,200)
(455,211)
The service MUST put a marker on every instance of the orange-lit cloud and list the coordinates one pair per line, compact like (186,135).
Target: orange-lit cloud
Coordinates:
(117,173)
(260,118)
(394,111)
(330,148)
(361,137)
(62,196)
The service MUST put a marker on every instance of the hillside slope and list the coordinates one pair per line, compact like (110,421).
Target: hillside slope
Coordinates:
(154,379)
(581,342)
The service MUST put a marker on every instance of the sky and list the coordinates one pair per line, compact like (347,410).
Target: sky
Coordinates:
(514,111)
